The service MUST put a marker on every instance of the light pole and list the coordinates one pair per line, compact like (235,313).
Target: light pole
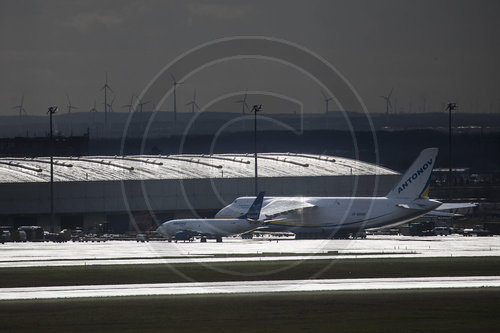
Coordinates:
(175,83)
(450,107)
(51,111)
(255,109)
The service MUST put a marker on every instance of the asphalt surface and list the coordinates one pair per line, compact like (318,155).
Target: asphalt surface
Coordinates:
(234,249)
(257,249)
(192,288)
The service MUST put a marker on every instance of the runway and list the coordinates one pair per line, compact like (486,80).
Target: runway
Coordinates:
(241,287)
(237,250)
(257,249)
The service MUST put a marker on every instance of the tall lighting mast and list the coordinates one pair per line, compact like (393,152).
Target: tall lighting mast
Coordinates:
(51,111)
(255,109)
(450,107)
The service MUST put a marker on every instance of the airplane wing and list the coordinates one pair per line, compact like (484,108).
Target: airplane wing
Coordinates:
(283,206)
(450,206)
(189,233)
(411,205)
(439,211)
(186,234)
(447,214)
(457,205)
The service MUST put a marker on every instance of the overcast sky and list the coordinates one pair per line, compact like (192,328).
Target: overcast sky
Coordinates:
(431,52)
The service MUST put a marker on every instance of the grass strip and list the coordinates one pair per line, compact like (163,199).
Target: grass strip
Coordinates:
(249,270)
(466,310)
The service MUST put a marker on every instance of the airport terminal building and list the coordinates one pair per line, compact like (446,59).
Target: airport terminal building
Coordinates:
(138,192)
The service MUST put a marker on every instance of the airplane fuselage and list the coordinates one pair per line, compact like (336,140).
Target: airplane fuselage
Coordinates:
(213,227)
(186,229)
(335,214)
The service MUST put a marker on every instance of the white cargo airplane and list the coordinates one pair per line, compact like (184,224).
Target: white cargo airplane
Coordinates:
(186,229)
(340,217)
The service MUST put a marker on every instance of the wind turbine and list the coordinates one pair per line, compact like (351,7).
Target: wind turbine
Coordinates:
(94,109)
(129,106)
(327,100)
(387,101)
(21,107)
(175,83)
(69,104)
(193,103)
(105,88)
(141,103)
(110,105)
(243,103)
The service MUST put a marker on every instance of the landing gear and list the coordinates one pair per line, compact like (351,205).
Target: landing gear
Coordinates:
(340,235)
(218,239)
(248,235)
(203,239)
(360,234)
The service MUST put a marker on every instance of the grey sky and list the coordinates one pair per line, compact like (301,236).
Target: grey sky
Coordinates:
(431,52)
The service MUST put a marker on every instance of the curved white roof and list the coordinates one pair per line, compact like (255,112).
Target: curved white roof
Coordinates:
(149,167)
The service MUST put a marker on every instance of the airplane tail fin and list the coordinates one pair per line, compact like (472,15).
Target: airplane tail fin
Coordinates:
(254,210)
(415,182)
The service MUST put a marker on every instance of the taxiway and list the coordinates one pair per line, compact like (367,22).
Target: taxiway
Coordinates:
(257,249)
(192,288)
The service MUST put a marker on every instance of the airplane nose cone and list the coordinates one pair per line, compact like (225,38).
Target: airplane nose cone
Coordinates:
(162,230)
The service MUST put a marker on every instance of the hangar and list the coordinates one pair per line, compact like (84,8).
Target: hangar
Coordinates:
(140,191)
